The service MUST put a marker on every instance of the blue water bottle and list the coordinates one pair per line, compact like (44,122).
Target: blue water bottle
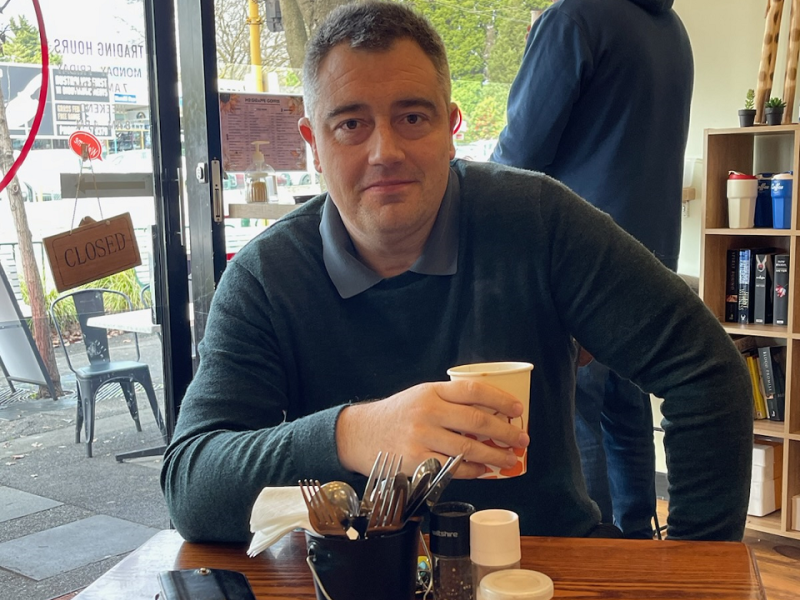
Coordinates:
(782,200)
(763,217)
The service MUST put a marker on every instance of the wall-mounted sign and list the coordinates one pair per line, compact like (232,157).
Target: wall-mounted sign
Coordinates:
(247,118)
(82,101)
(95,249)
(76,100)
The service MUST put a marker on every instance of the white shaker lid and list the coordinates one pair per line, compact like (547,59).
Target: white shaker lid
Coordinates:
(494,538)
(516,584)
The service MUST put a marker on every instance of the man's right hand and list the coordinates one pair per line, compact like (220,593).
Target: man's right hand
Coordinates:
(432,419)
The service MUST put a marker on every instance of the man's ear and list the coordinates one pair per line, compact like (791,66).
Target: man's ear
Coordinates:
(455,123)
(307,133)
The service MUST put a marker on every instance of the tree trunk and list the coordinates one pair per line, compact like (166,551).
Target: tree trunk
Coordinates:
(294,28)
(30,270)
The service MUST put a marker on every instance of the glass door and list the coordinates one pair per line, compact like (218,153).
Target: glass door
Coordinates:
(112,74)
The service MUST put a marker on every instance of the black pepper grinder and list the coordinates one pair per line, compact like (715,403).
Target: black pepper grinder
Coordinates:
(452,568)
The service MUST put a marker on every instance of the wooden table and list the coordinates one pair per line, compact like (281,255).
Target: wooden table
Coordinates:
(580,568)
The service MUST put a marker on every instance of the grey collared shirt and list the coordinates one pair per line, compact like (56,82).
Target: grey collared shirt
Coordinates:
(351,276)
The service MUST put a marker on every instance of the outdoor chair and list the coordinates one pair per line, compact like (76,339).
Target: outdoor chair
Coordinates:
(146,296)
(101,369)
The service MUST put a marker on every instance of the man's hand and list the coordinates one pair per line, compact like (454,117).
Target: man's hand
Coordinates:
(429,420)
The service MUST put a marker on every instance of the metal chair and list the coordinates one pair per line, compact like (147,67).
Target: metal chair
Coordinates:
(101,369)
(146,296)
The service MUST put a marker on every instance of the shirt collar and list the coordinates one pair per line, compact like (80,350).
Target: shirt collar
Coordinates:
(351,276)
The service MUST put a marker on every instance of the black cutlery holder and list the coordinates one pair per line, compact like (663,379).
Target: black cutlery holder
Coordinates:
(380,566)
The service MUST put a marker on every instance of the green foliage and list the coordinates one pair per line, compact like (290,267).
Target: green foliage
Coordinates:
(749,100)
(775,103)
(23,45)
(483,106)
(485,40)
(124,282)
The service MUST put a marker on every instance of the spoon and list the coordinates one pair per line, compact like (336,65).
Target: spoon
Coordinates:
(343,496)
(431,466)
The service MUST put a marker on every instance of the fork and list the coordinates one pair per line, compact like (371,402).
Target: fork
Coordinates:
(390,517)
(325,518)
(387,496)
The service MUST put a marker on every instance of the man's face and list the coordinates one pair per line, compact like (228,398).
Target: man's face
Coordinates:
(381,135)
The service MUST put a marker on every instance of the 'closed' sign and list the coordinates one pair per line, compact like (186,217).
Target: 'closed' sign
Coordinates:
(97,249)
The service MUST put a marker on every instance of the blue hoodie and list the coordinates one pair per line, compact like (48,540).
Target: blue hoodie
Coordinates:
(601,103)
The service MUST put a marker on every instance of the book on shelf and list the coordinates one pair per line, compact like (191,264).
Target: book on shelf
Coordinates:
(763,274)
(732,286)
(781,290)
(771,361)
(744,292)
(754,295)
(759,404)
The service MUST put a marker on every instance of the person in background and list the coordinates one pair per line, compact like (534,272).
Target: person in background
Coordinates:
(330,334)
(601,103)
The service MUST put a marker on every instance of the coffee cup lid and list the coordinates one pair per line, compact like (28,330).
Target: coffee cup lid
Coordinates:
(516,584)
(737,175)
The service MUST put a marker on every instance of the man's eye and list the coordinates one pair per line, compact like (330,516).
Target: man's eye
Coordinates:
(350,124)
(413,119)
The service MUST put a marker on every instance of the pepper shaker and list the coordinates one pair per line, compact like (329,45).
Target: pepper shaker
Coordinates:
(452,568)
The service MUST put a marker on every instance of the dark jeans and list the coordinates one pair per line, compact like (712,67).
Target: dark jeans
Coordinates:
(614,428)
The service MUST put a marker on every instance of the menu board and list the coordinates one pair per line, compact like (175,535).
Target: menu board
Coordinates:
(248,118)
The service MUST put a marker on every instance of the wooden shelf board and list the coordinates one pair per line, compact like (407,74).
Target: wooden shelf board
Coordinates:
(260,210)
(770,428)
(771,524)
(756,130)
(752,231)
(777,331)
(793,436)
(688,193)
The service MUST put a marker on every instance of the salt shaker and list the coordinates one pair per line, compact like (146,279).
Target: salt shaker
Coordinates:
(516,584)
(494,542)
(452,569)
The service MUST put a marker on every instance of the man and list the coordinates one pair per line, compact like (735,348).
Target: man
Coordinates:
(331,333)
(601,103)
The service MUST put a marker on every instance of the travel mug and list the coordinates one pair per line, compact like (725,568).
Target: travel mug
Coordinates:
(742,194)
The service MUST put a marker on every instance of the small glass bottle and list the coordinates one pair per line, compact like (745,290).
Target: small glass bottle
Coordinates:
(260,180)
(452,568)
(494,542)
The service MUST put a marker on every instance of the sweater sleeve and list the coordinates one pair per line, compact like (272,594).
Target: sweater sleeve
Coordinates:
(232,437)
(548,84)
(641,320)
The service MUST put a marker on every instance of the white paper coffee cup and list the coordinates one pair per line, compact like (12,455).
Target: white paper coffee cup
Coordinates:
(511,377)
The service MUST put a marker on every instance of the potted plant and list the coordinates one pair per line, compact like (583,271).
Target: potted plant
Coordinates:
(773,109)
(747,115)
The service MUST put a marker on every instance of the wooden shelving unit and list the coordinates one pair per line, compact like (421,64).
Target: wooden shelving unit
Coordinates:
(735,150)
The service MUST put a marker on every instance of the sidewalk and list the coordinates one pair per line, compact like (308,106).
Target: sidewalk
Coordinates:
(66,519)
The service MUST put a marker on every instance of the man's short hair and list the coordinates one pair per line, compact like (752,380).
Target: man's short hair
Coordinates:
(373,25)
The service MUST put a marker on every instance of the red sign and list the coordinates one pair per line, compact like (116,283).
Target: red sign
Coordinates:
(94,148)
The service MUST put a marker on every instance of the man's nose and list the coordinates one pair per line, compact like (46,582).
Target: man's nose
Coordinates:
(385,146)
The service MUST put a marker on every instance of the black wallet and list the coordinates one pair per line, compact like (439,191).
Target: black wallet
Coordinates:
(204,584)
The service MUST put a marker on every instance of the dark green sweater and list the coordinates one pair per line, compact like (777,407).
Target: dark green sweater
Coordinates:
(283,353)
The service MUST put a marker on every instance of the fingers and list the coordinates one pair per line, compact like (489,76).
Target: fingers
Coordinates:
(480,394)
(453,443)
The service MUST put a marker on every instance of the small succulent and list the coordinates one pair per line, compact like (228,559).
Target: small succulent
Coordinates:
(749,100)
(775,103)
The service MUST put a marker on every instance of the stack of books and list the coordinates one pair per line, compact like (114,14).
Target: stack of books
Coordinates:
(767,367)
(757,286)
(765,484)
